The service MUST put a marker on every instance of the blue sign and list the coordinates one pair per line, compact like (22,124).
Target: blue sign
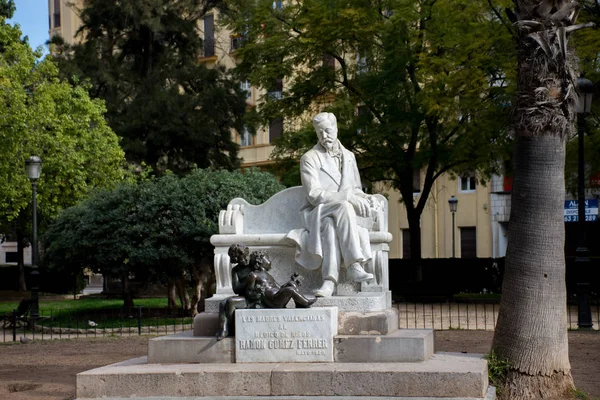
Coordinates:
(591,210)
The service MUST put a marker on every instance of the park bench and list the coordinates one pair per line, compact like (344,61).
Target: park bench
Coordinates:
(20,317)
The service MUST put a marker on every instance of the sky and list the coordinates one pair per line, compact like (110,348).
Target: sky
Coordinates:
(32,16)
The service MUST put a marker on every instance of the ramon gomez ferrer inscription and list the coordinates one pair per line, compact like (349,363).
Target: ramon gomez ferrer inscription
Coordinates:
(285,335)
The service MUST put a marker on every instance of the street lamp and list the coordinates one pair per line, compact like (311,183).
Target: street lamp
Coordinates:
(453,203)
(582,261)
(33,167)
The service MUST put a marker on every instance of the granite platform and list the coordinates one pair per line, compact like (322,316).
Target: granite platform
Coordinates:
(444,375)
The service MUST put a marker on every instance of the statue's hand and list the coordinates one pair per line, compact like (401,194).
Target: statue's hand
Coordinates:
(374,203)
(361,206)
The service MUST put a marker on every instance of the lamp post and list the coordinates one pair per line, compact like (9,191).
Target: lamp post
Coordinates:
(33,167)
(582,261)
(453,203)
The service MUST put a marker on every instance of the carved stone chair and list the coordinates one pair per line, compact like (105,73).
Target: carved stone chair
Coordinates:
(266,227)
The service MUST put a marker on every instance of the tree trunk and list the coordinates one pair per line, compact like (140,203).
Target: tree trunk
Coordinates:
(202,276)
(127,292)
(172,295)
(184,297)
(531,332)
(414,228)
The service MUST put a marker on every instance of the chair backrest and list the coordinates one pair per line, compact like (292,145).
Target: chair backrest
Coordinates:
(279,214)
(24,307)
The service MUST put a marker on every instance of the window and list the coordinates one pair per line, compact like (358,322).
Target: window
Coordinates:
(328,61)
(236,41)
(246,87)
(56,13)
(468,242)
(275,92)
(209,35)
(362,115)
(467,183)
(277,5)
(11,257)
(405,243)
(245,138)
(275,129)
(416,181)
(361,64)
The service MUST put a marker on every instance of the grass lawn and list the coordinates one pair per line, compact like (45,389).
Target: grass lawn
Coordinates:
(105,313)
(83,304)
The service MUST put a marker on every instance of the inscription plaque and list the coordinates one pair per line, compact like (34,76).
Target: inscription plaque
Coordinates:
(285,334)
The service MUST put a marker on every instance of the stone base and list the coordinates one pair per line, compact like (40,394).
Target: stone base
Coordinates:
(184,348)
(444,375)
(380,322)
(491,395)
(359,302)
(405,345)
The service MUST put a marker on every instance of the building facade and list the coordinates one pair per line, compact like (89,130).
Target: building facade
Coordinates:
(480,222)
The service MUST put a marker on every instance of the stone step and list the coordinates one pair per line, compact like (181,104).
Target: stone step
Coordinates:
(491,395)
(381,322)
(444,375)
(403,345)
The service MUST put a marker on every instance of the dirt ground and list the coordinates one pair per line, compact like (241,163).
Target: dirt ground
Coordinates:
(45,370)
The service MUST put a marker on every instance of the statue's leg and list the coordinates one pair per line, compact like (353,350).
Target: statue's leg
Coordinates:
(284,294)
(226,315)
(346,230)
(331,251)
(330,268)
(223,328)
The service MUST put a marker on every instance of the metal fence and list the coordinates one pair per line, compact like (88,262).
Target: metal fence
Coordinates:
(159,321)
(468,315)
(66,324)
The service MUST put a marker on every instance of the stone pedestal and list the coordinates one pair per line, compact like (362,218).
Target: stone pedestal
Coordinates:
(449,376)
(369,357)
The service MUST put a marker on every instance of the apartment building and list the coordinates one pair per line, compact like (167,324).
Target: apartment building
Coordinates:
(480,221)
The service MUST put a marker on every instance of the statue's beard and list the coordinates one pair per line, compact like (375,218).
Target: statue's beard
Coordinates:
(329,144)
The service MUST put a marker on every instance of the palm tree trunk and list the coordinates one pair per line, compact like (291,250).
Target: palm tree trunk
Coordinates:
(531,332)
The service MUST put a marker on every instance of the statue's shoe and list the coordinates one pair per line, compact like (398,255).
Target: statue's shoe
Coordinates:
(356,273)
(326,290)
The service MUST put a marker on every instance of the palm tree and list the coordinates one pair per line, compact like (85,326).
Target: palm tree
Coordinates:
(531,333)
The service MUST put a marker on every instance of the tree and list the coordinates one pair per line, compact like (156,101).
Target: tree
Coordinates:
(585,45)
(417,87)
(43,116)
(171,111)
(154,231)
(531,332)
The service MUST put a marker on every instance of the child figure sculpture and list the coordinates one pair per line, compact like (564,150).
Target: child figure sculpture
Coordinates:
(256,288)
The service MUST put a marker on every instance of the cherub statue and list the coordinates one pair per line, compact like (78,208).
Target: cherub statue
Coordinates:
(256,288)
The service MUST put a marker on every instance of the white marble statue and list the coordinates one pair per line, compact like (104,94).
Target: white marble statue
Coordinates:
(332,238)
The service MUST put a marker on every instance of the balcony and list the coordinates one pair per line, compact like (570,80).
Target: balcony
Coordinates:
(237,41)
(208,50)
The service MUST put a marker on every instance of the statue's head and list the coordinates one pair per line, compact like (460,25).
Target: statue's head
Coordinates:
(238,253)
(260,259)
(326,126)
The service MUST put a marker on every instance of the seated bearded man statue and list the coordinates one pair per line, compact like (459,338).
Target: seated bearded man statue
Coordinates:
(331,238)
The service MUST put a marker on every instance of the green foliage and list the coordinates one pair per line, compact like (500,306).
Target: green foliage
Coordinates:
(416,86)
(152,230)
(498,368)
(44,116)
(142,59)
(585,43)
